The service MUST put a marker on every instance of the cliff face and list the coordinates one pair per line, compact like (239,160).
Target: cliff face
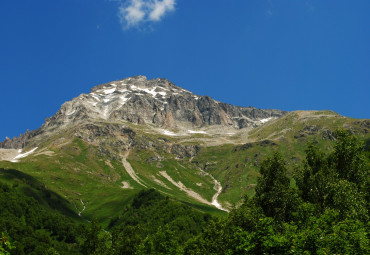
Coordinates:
(157,102)
(20,141)
(140,101)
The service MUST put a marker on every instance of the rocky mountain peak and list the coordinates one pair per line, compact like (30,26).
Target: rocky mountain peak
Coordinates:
(140,84)
(129,99)
(158,102)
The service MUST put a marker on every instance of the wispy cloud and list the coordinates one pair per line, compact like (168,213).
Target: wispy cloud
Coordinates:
(310,6)
(134,13)
(269,11)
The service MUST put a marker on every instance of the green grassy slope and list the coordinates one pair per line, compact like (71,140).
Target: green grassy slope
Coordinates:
(92,172)
(236,166)
(79,172)
(31,187)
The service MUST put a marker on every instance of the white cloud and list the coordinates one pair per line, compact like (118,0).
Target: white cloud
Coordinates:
(160,8)
(133,13)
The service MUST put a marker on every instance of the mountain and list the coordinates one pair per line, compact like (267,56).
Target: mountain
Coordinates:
(155,102)
(103,147)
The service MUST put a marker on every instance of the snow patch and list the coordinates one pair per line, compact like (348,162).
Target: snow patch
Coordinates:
(196,132)
(109,91)
(72,111)
(150,91)
(218,188)
(166,132)
(265,120)
(162,93)
(83,209)
(107,99)
(23,155)
(126,185)
(182,187)
(214,199)
(105,112)
(123,99)
(123,90)
(215,196)
(95,97)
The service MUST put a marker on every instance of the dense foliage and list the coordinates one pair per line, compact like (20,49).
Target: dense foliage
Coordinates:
(34,229)
(323,208)
(326,212)
(155,224)
(152,223)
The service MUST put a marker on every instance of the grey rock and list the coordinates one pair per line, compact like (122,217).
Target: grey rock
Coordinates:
(137,100)
(158,102)
(21,141)
(185,150)
(327,134)
(307,131)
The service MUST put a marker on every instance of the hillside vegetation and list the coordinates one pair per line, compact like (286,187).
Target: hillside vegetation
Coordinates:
(321,206)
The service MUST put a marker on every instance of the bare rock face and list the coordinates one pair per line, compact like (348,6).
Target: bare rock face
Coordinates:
(20,141)
(185,150)
(157,102)
(93,133)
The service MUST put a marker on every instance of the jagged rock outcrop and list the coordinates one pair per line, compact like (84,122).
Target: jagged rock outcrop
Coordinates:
(184,150)
(20,141)
(101,133)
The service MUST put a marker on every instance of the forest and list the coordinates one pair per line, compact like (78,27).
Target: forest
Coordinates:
(319,207)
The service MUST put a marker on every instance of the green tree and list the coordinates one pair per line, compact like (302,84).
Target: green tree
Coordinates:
(348,158)
(215,239)
(126,239)
(338,180)
(162,242)
(5,245)
(326,214)
(273,192)
(312,180)
(96,240)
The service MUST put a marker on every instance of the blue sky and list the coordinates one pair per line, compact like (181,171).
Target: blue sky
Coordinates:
(282,54)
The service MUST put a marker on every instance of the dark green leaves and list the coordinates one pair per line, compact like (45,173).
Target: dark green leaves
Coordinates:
(273,192)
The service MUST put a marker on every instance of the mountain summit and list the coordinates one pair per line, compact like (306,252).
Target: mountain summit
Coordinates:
(155,102)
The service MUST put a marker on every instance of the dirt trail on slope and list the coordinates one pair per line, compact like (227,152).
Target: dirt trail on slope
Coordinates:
(160,182)
(129,168)
(182,187)
(179,184)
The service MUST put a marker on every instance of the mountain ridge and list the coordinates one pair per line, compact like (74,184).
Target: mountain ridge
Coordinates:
(157,102)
